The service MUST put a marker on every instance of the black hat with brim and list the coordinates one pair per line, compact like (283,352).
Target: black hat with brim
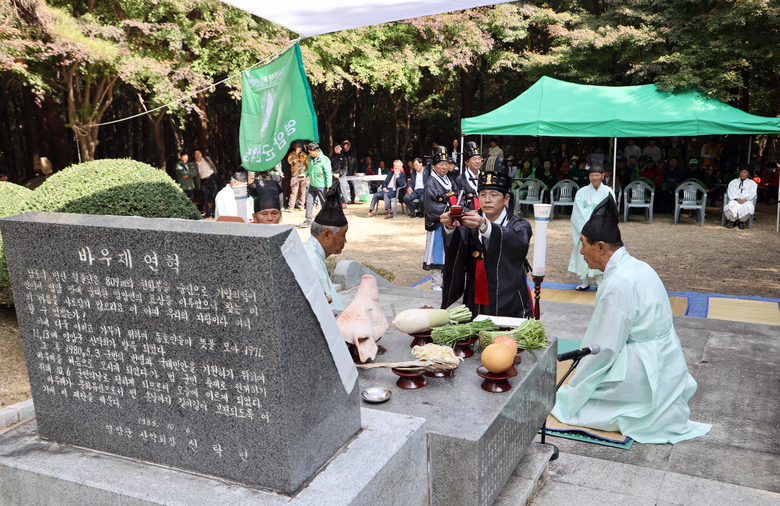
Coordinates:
(266,194)
(603,223)
(493,180)
(471,151)
(440,155)
(331,214)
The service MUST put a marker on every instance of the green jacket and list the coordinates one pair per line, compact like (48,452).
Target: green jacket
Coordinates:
(320,172)
(186,169)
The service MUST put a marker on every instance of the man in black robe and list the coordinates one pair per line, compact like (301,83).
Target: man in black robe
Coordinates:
(468,181)
(441,192)
(486,257)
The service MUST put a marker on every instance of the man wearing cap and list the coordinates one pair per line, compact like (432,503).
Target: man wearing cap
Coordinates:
(267,204)
(585,201)
(416,187)
(510,167)
(328,237)
(638,383)
(226,202)
(486,257)
(441,192)
(320,177)
(741,192)
(468,181)
(694,172)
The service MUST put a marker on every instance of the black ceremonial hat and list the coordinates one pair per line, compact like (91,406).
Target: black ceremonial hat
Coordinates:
(492,180)
(331,214)
(603,223)
(471,150)
(440,155)
(266,194)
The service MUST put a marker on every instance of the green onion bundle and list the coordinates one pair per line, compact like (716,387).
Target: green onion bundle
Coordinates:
(459,314)
(529,335)
(448,336)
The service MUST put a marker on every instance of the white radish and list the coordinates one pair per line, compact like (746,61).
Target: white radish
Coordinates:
(413,321)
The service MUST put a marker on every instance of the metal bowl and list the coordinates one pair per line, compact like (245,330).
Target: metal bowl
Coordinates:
(376,395)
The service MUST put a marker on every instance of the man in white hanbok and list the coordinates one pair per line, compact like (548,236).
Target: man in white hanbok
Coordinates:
(639,383)
(741,193)
(585,201)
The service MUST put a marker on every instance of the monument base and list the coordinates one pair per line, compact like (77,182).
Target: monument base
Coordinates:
(386,463)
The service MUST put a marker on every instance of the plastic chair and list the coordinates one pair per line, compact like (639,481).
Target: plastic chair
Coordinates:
(687,197)
(694,180)
(535,194)
(726,201)
(400,191)
(562,194)
(636,196)
(648,182)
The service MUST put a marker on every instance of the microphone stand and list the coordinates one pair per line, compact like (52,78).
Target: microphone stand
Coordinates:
(574,365)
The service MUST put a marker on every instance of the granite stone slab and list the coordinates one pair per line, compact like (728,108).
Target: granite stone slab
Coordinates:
(383,465)
(475,438)
(191,344)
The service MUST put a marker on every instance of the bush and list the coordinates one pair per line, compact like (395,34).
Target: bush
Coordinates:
(113,187)
(14,199)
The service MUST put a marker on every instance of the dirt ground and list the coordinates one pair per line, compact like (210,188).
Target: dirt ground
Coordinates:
(687,257)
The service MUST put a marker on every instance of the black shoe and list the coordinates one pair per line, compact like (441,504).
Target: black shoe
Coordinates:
(731,224)
(741,225)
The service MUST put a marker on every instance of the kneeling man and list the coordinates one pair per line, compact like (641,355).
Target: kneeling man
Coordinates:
(639,383)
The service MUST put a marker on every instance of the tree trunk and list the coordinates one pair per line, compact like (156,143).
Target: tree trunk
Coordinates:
(33,164)
(396,105)
(95,97)
(202,124)
(466,93)
(62,154)
(159,143)
(408,127)
(331,119)
(361,150)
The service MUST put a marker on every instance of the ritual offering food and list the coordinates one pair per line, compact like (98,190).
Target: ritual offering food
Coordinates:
(362,323)
(497,358)
(530,335)
(508,341)
(435,352)
(413,321)
(450,335)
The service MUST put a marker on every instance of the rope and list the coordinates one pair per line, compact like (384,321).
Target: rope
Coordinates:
(82,131)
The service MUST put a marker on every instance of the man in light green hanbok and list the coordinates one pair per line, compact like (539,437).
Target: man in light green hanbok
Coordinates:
(639,383)
(585,202)
(328,237)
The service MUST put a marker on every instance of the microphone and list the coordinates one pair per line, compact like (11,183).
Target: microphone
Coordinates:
(582,352)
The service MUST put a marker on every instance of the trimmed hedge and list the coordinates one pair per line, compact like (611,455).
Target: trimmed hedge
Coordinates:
(115,187)
(112,187)
(14,199)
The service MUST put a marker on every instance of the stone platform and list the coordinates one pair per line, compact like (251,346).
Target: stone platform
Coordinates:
(385,464)
(475,438)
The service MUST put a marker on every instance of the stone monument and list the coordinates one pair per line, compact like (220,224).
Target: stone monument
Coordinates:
(203,346)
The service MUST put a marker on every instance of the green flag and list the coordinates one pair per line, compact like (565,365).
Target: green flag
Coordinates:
(276,109)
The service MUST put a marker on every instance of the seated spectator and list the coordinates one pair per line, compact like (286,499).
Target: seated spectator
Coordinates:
(381,169)
(713,184)
(547,175)
(416,189)
(694,172)
(525,167)
(769,181)
(564,171)
(395,180)
(741,192)
(677,148)
(510,167)
(579,174)
(652,151)
(650,171)
(368,169)
(562,155)
(608,179)
(629,172)
(672,175)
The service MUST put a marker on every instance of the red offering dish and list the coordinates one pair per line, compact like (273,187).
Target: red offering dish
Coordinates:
(438,374)
(410,380)
(455,213)
(496,382)
(421,339)
(463,349)
(517,359)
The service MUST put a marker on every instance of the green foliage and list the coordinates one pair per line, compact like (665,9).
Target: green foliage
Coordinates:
(115,187)
(14,199)
(388,275)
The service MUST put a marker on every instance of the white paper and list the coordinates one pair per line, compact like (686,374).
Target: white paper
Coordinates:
(298,261)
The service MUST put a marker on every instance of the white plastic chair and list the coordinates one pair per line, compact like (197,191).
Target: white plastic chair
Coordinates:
(687,197)
(562,194)
(535,195)
(725,203)
(636,195)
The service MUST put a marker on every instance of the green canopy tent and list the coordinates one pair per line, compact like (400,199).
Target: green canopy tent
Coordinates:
(556,108)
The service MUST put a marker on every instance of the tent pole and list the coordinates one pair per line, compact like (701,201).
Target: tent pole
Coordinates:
(460,156)
(614,167)
(750,145)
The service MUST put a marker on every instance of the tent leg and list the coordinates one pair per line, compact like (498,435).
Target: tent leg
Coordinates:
(750,145)
(614,168)
(460,156)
